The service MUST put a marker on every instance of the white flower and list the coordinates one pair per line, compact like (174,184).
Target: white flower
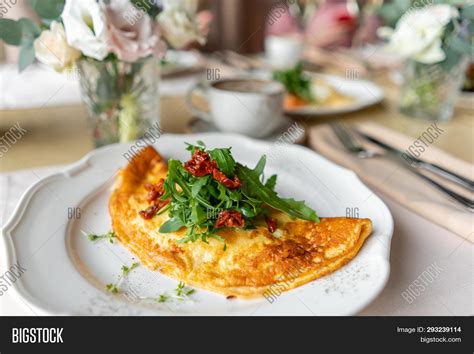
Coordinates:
(178,23)
(51,48)
(419,32)
(188,6)
(85,27)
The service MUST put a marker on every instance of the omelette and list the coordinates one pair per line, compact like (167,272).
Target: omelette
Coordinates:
(252,261)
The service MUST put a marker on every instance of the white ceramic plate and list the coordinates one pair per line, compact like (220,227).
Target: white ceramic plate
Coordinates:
(66,273)
(365,94)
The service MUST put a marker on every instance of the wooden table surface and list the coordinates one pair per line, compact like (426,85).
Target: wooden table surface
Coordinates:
(59,135)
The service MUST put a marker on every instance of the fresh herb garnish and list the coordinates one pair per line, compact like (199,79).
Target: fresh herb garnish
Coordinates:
(126,270)
(112,288)
(252,187)
(163,298)
(295,82)
(182,292)
(212,192)
(109,236)
(115,288)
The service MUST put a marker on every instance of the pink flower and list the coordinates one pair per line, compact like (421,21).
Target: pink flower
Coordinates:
(132,34)
(280,21)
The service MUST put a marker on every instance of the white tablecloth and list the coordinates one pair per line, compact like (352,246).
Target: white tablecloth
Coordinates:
(417,246)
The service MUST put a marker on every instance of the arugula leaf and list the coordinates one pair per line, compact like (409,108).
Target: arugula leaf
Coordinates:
(175,173)
(196,187)
(199,146)
(252,187)
(271,182)
(298,209)
(171,225)
(258,170)
(198,215)
(224,160)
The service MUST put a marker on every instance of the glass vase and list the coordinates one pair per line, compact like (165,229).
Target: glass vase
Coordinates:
(429,91)
(121,98)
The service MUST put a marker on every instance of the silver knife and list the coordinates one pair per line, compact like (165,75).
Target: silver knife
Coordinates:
(415,162)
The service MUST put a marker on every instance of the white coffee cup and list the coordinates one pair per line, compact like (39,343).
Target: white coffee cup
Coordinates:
(252,107)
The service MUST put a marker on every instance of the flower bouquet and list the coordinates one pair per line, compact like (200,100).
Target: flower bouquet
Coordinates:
(436,40)
(114,46)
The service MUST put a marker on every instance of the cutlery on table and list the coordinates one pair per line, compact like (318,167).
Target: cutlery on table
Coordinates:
(428,166)
(349,139)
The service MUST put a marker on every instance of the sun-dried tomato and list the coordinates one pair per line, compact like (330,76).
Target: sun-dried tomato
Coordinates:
(200,164)
(230,218)
(161,203)
(152,210)
(149,212)
(155,190)
(226,181)
(271,224)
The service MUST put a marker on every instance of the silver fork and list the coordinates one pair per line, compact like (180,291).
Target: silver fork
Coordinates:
(350,140)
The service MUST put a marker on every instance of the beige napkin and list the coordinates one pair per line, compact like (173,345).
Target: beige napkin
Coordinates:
(396,182)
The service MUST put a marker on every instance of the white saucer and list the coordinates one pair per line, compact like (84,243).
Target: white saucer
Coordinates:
(289,131)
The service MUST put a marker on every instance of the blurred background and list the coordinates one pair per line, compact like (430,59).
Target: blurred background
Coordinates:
(243,37)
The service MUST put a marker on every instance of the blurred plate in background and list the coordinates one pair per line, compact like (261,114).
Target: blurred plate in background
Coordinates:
(363,93)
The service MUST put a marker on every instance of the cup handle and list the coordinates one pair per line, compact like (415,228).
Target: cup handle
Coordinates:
(200,89)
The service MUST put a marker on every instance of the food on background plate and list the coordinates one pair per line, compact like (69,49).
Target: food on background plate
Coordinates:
(218,225)
(303,90)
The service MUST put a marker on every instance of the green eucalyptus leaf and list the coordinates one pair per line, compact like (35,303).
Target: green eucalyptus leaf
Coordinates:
(27,56)
(10,31)
(49,9)
(470,27)
(29,30)
(468,12)
(451,60)
(458,44)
